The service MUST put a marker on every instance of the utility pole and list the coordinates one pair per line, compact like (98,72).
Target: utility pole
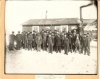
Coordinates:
(81,29)
(46,15)
(84,7)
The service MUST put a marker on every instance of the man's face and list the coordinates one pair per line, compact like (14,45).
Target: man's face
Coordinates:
(28,32)
(84,35)
(87,34)
(49,35)
(77,34)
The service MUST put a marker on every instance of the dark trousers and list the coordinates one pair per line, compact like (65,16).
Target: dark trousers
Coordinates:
(50,48)
(11,45)
(77,47)
(29,44)
(58,49)
(73,47)
(54,47)
(34,45)
(44,46)
(38,47)
(70,48)
(66,48)
(62,47)
(82,47)
(26,44)
(23,44)
(86,49)
(18,44)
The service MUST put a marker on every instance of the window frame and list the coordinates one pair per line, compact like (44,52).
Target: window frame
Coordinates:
(34,27)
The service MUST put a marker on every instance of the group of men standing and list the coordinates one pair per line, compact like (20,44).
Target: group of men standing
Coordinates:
(51,41)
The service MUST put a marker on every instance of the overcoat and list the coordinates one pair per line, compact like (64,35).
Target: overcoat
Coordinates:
(38,40)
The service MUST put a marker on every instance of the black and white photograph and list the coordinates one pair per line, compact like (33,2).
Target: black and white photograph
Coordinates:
(51,37)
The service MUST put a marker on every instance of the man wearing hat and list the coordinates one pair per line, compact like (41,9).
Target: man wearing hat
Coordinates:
(42,33)
(66,44)
(53,37)
(70,42)
(38,41)
(80,29)
(88,43)
(44,41)
(50,43)
(58,43)
(19,40)
(55,40)
(73,41)
(34,40)
(26,40)
(84,46)
(62,41)
(77,43)
(23,39)
(11,41)
(30,39)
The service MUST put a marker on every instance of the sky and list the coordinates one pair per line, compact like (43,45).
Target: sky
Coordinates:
(18,12)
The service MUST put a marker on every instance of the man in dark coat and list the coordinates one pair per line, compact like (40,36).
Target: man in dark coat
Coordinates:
(30,39)
(19,40)
(44,41)
(73,41)
(11,41)
(55,38)
(77,44)
(58,43)
(23,39)
(88,43)
(38,41)
(42,33)
(81,43)
(81,29)
(50,43)
(62,41)
(26,41)
(84,44)
(34,40)
(66,44)
(70,42)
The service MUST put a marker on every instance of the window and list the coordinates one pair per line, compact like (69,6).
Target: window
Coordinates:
(64,28)
(35,28)
(58,28)
(73,27)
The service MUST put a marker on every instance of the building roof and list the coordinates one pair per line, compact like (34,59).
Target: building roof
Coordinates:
(95,23)
(86,21)
(91,26)
(64,21)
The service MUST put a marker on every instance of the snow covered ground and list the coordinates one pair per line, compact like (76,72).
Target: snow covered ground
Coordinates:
(32,62)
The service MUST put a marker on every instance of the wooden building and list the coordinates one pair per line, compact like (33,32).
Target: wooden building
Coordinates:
(53,24)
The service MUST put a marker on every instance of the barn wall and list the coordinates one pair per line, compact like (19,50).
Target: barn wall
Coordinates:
(70,27)
(27,28)
(46,28)
(52,28)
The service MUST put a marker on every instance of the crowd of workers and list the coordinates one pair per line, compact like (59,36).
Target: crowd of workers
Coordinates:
(51,41)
